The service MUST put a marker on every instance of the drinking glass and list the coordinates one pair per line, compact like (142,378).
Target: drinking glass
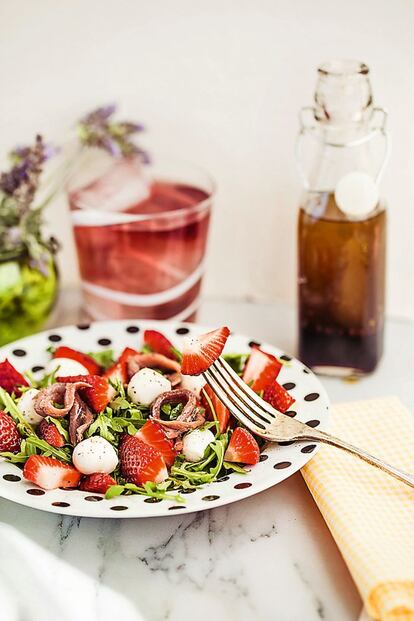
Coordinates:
(141,234)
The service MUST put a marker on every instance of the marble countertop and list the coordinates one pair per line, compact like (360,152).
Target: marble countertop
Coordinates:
(269,557)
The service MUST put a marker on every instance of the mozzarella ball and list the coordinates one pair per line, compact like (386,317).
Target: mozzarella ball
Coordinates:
(95,454)
(26,407)
(66,367)
(195,444)
(146,385)
(193,382)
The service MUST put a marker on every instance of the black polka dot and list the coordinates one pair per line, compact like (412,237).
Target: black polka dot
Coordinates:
(254,344)
(182,330)
(19,352)
(285,443)
(291,413)
(281,465)
(152,500)
(306,371)
(54,338)
(187,491)
(210,498)
(60,504)
(264,457)
(312,396)
(175,507)
(221,479)
(289,386)
(37,368)
(13,478)
(286,358)
(35,492)
(118,508)
(313,423)
(93,498)
(132,329)
(83,326)
(242,485)
(104,341)
(308,449)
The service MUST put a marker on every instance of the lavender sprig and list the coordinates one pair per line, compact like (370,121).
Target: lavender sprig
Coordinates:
(98,129)
(20,221)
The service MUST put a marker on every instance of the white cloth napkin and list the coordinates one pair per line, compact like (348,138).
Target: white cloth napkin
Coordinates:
(36,586)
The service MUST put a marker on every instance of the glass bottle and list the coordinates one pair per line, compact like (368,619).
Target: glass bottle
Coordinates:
(342,150)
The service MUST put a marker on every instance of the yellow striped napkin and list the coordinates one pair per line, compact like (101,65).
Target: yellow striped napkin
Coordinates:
(370,514)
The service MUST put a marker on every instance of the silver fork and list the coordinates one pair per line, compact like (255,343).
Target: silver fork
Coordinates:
(266,422)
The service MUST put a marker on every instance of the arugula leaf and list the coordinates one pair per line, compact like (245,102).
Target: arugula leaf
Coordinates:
(152,490)
(104,358)
(11,408)
(236,361)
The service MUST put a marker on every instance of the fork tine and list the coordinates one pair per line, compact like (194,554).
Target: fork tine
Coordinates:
(244,392)
(227,399)
(247,409)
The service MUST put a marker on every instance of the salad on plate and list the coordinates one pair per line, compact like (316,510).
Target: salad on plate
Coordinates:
(143,423)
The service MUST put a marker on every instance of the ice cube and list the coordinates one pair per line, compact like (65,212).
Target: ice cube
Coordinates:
(125,184)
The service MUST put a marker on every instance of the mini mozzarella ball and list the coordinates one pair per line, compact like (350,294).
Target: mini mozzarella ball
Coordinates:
(146,385)
(95,454)
(193,382)
(26,407)
(195,444)
(65,367)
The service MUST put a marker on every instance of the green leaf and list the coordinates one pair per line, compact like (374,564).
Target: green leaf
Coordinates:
(113,491)
(236,361)
(11,408)
(104,358)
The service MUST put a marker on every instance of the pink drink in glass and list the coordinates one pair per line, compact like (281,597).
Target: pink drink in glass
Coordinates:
(141,238)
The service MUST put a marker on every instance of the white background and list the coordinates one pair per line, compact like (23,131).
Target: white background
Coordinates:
(218,82)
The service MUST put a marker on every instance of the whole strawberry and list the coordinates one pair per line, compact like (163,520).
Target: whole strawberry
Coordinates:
(97,483)
(50,433)
(10,439)
(140,462)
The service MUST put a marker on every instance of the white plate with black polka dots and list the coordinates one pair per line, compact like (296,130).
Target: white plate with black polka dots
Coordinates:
(277,462)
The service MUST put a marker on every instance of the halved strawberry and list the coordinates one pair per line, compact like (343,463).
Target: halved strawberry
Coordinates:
(242,448)
(126,355)
(11,379)
(140,462)
(200,352)
(50,433)
(97,483)
(159,344)
(222,413)
(278,397)
(153,434)
(10,439)
(118,371)
(98,395)
(88,362)
(50,473)
(261,369)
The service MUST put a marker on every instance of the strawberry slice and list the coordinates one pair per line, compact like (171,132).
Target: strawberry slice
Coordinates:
(10,439)
(278,397)
(50,473)
(159,344)
(97,483)
(11,379)
(242,448)
(88,362)
(200,352)
(153,434)
(117,372)
(51,434)
(261,369)
(126,355)
(98,395)
(140,462)
(222,413)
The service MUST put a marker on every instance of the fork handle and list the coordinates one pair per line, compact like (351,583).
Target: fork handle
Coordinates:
(326,438)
